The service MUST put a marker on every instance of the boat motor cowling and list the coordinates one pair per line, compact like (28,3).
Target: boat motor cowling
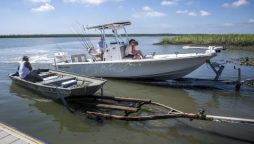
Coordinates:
(61,57)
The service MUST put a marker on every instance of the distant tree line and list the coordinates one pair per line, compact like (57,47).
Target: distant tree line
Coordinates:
(75,35)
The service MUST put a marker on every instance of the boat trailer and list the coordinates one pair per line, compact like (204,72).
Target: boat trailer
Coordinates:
(134,109)
(214,83)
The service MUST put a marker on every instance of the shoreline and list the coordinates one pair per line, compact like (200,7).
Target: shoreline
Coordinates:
(77,35)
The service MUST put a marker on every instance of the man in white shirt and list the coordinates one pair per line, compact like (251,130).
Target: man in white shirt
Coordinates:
(26,71)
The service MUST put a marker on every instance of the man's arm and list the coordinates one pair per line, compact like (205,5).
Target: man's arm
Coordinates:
(28,65)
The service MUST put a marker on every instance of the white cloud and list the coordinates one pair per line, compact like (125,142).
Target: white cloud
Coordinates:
(149,12)
(226,5)
(192,14)
(40,1)
(182,11)
(147,8)
(239,3)
(91,2)
(204,13)
(44,8)
(236,4)
(251,20)
(88,2)
(169,2)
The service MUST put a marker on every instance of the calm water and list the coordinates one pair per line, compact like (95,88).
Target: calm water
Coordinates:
(52,123)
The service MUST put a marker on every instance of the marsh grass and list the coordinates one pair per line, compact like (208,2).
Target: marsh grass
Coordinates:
(231,40)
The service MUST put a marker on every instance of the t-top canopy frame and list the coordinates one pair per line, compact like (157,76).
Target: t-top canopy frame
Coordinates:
(113,26)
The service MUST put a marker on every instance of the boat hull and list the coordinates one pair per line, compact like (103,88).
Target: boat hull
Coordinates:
(161,68)
(48,92)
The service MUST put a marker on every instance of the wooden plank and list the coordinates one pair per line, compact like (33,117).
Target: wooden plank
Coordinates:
(122,99)
(9,135)
(3,134)
(19,142)
(117,107)
(9,139)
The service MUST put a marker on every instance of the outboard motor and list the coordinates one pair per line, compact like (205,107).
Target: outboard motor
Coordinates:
(61,57)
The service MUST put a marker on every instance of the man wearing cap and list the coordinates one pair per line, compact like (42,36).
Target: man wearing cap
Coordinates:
(25,70)
(24,67)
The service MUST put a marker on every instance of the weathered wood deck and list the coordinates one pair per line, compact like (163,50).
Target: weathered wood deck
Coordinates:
(9,135)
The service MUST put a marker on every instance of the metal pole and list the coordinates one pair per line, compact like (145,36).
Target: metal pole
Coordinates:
(229,119)
(55,64)
(126,34)
(83,42)
(89,42)
(102,92)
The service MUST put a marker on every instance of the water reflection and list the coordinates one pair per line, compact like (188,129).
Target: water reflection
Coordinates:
(63,117)
(169,129)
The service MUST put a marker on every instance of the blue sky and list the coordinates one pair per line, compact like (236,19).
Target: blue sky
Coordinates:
(147,16)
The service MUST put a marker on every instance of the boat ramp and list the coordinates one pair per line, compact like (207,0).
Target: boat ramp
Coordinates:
(9,135)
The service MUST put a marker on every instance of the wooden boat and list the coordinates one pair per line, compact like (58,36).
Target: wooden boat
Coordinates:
(58,84)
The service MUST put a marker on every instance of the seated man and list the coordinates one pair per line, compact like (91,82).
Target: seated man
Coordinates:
(102,45)
(95,53)
(25,71)
(132,50)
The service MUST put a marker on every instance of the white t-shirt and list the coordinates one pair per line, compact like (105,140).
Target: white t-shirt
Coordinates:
(128,50)
(23,70)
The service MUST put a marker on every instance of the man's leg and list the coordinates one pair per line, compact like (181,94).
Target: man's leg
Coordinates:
(140,53)
(35,75)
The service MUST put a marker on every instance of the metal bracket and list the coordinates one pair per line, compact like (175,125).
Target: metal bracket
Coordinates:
(217,72)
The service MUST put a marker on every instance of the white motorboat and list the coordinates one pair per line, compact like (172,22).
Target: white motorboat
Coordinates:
(115,64)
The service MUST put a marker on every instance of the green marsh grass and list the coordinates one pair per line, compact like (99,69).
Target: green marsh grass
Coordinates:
(230,40)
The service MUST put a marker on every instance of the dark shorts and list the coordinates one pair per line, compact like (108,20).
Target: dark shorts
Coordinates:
(129,56)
